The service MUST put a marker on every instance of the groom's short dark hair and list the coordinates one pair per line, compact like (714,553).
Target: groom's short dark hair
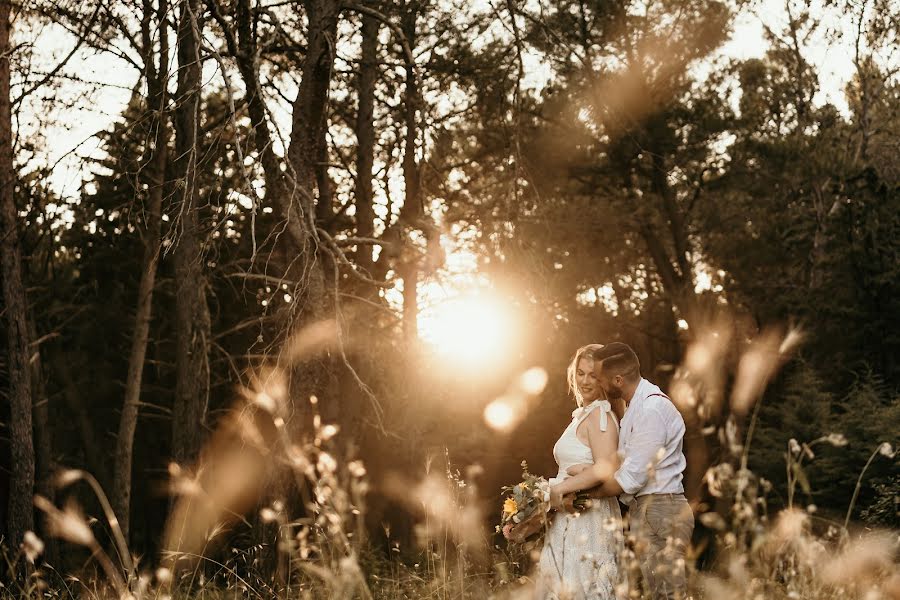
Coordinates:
(618,359)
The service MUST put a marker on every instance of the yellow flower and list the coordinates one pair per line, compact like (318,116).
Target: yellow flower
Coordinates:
(510,507)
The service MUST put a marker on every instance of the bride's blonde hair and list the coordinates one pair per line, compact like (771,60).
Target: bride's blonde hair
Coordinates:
(585,352)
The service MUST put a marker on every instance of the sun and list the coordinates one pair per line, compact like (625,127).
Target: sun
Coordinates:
(461,318)
(470,328)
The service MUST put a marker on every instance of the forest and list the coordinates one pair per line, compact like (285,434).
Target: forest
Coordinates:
(290,287)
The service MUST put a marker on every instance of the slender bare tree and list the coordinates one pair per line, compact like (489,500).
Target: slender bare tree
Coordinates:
(292,189)
(155,72)
(21,514)
(412,215)
(365,137)
(192,313)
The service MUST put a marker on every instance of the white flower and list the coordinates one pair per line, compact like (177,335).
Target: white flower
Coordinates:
(328,432)
(713,520)
(32,546)
(326,463)
(265,402)
(348,564)
(885,449)
(268,515)
(163,575)
(837,440)
(356,468)
(68,524)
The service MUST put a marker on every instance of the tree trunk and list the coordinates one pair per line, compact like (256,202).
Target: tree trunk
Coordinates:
(676,272)
(325,201)
(20,517)
(412,209)
(279,186)
(412,212)
(43,445)
(365,137)
(41,421)
(309,126)
(409,272)
(309,111)
(293,191)
(191,311)
(121,491)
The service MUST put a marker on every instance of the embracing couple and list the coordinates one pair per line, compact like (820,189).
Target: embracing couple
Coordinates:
(639,462)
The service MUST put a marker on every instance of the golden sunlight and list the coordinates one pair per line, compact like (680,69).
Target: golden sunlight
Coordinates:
(472,328)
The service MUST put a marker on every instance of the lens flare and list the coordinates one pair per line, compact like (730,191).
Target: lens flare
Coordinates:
(500,415)
(533,381)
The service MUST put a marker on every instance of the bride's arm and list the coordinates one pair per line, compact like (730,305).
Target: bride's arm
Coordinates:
(603,447)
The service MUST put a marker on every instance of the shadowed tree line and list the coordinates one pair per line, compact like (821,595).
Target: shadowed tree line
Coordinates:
(281,164)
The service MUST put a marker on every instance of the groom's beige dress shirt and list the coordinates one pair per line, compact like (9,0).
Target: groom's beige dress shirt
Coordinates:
(651,439)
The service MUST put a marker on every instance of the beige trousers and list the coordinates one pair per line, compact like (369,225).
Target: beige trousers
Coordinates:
(661,526)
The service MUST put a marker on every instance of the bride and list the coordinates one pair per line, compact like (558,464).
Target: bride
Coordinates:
(578,559)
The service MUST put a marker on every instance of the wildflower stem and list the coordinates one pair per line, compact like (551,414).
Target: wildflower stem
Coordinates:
(750,429)
(121,543)
(114,576)
(790,478)
(859,486)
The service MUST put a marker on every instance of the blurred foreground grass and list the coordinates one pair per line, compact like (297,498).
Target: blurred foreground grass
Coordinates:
(310,541)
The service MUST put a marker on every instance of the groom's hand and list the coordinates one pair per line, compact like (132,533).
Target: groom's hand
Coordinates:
(577,469)
(570,500)
(595,492)
(607,489)
(556,499)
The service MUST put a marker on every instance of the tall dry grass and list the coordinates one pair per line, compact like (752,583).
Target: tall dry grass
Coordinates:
(316,544)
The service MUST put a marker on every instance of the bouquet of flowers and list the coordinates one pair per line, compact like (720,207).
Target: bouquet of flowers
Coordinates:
(528,502)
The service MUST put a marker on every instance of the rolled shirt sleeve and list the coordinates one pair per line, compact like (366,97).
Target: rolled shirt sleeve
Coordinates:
(641,452)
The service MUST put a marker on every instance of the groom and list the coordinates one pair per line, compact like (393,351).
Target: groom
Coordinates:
(649,479)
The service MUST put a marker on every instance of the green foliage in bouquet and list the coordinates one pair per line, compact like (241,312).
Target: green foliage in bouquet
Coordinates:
(530,498)
(525,498)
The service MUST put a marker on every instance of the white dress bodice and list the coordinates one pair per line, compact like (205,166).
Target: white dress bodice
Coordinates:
(569,450)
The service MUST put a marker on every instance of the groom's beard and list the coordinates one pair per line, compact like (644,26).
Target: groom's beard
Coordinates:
(613,392)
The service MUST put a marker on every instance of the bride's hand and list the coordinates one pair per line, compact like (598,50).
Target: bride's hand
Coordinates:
(519,532)
(576,469)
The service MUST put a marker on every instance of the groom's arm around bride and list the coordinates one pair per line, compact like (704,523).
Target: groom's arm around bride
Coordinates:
(602,439)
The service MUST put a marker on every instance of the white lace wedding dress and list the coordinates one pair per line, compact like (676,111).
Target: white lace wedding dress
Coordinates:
(578,559)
